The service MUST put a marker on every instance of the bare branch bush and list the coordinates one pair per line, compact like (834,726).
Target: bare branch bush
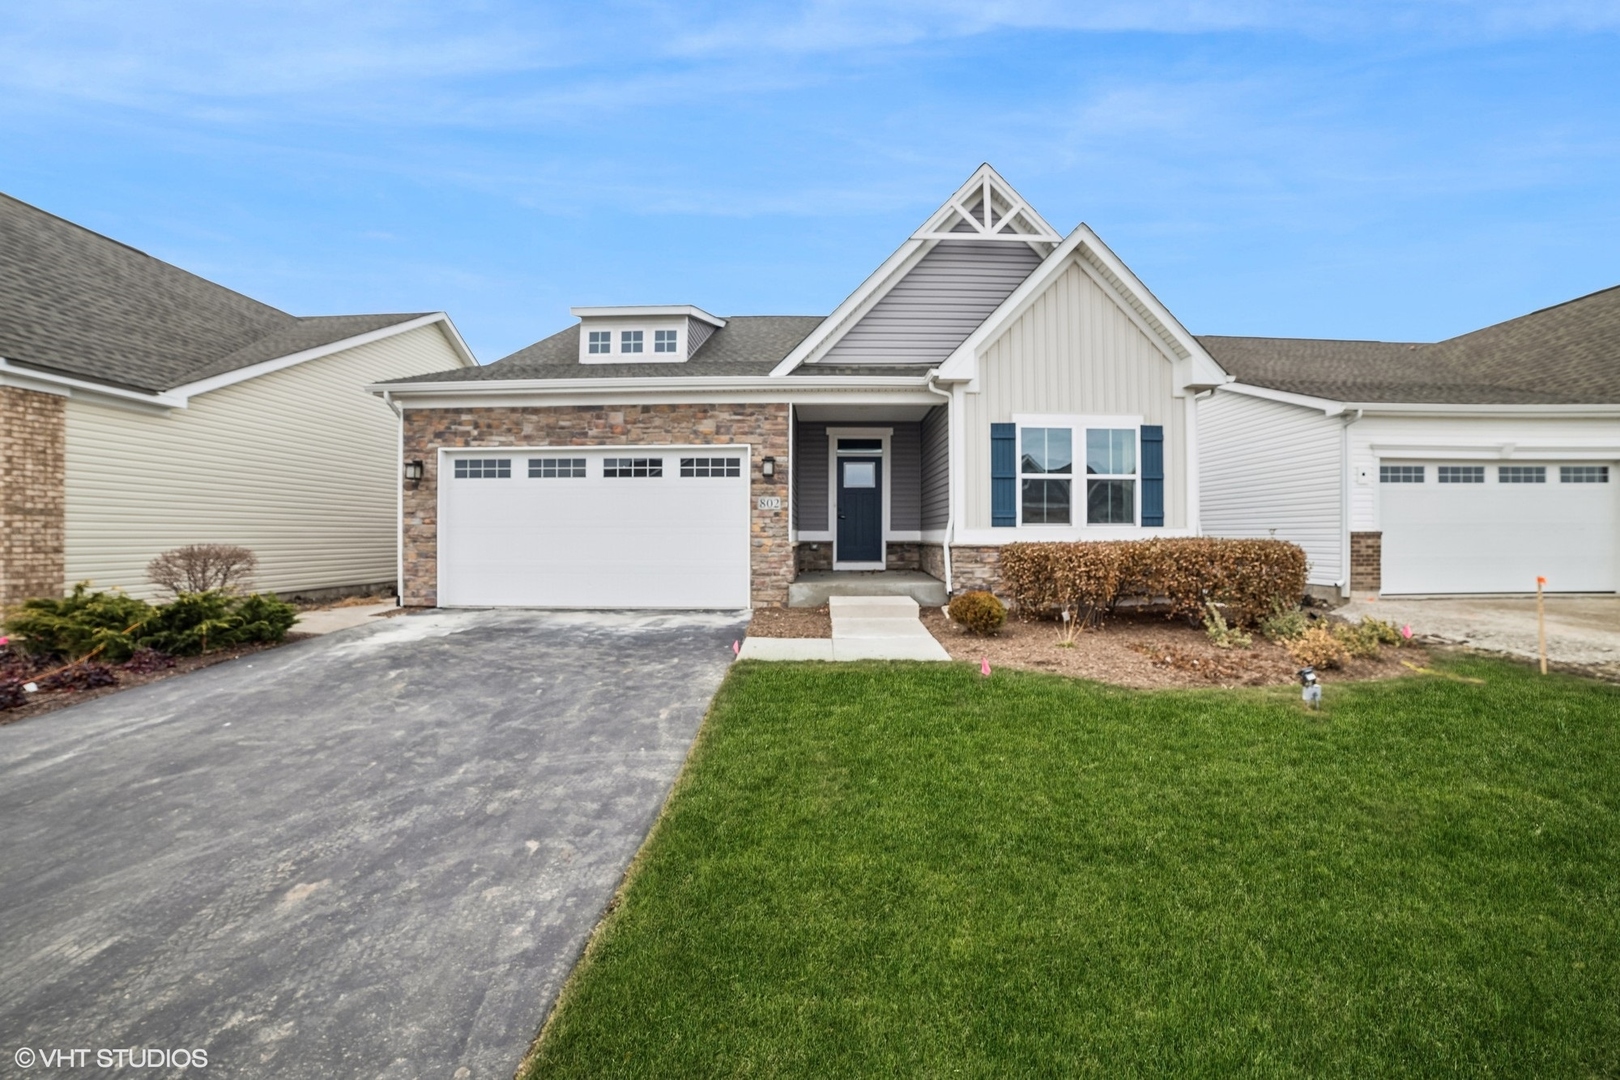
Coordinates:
(201,567)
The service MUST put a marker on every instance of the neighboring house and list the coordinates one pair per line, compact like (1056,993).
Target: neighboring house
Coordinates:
(1474,465)
(143,408)
(992,381)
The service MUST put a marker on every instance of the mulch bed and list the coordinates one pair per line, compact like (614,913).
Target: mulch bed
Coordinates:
(791,622)
(50,700)
(1148,652)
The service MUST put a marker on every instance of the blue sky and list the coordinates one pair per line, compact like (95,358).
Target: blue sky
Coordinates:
(1394,170)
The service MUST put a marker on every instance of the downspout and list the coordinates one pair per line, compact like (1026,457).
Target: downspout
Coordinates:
(950,486)
(1347,478)
(399,503)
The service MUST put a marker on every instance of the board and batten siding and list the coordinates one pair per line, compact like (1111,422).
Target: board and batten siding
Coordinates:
(936,468)
(937,304)
(1073,351)
(301,465)
(1270,469)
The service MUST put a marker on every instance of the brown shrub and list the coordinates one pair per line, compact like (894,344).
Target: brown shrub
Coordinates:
(1318,647)
(979,611)
(202,568)
(1247,578)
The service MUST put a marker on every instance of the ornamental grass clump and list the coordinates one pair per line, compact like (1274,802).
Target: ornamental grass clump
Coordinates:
(979,611)
(1285,623)
(1247,578)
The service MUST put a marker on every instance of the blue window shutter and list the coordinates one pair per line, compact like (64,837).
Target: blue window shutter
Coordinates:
(1152,475)
(1003,475)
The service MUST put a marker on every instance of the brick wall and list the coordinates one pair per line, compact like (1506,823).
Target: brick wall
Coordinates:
(764,427)
(33,448)
(1366,562)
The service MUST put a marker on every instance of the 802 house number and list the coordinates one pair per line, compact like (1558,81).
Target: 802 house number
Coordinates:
(770,502)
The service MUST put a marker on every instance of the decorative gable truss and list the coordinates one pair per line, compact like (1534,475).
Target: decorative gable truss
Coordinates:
(950,273)
(987,208)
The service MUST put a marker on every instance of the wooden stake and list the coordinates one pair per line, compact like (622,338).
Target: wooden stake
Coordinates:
(1541,623)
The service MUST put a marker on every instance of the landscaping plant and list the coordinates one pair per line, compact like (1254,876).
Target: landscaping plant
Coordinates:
(110,627)
(979,611)
(201,568)
(1285,622)
(1248,578)
(1221,635)
(1318,647)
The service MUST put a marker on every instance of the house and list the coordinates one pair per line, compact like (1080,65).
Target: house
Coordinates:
(1472,465)
(992,381)
(143,408)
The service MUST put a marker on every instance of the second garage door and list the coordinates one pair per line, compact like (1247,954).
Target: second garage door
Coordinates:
(1459,527)
(632,527)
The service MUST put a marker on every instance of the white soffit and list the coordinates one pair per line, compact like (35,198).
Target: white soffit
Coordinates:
(648,311)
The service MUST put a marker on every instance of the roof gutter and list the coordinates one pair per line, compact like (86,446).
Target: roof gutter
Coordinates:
(1336,407)
(950,503)
(47,382)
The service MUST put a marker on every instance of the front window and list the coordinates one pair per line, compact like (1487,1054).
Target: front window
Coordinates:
(601,341)
(1110,476)
(1046,463)
(630,341)
(664,340)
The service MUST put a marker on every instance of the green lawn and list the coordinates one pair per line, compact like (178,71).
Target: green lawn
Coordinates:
(907,870)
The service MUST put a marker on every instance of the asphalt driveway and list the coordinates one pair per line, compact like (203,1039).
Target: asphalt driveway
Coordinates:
(374,854)
(1583,631)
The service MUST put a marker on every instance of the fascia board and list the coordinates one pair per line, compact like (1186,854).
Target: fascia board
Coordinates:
(68,386)
(1328,406)
(647,311)
(867,289)
(1566,412)
(709,385)
(266,367)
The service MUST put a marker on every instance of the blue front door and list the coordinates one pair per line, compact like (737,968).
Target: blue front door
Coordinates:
(860,510)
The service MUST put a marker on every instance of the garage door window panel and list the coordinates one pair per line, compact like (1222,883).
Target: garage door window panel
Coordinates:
(556,468)
(1461,474)
(1400,474)
(1583,474)
(623,468)
(1521,474)
(483,468)
(708,467)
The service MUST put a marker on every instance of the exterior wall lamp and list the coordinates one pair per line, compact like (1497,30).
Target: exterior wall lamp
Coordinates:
(767,467)
(413,472)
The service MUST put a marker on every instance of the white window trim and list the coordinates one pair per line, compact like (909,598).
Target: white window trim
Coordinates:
(1078,529)
(884,435)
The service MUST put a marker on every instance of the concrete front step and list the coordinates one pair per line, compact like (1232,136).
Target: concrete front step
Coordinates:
(863,628)
(816,587)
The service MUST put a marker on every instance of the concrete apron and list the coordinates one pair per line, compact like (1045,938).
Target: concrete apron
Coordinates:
(863,628)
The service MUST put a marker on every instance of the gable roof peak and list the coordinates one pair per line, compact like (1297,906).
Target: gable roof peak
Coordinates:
(986,207)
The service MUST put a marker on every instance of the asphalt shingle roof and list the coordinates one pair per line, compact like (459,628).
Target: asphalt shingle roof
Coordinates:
(746,345)
(76,302)
(1568,354)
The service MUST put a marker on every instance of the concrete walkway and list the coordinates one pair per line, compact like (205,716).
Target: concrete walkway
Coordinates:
(1582,631)
(329,620)
(863,628)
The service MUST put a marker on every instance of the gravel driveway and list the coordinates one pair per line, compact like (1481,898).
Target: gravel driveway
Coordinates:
(374,854)
(1583,632)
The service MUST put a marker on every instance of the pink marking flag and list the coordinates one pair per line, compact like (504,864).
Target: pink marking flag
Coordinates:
(984,667)
(736,647)
(1406,631)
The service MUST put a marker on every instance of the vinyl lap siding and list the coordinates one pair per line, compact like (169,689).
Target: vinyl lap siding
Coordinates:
(810,477)
(697,332)
(1269,469)
(936,468)
(300,465)
(905,477)
(942,300)
(1074,351)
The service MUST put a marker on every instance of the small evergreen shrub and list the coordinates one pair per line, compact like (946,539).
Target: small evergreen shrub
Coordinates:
(1221,635)
(107,625)
(979,611)
(1318,647)
(1285,623)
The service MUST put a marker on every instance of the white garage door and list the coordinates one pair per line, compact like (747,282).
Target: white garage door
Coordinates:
(1460,527)
(631,527)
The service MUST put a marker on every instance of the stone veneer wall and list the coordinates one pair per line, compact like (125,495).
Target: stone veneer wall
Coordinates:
(974,568)
(764,427)
(33,458)
(1366,561)
(900,556)
(812,555)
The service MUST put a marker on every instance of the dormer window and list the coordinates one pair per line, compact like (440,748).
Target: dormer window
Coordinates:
(664,340)
(643,335)
(630,341)
(601,341)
